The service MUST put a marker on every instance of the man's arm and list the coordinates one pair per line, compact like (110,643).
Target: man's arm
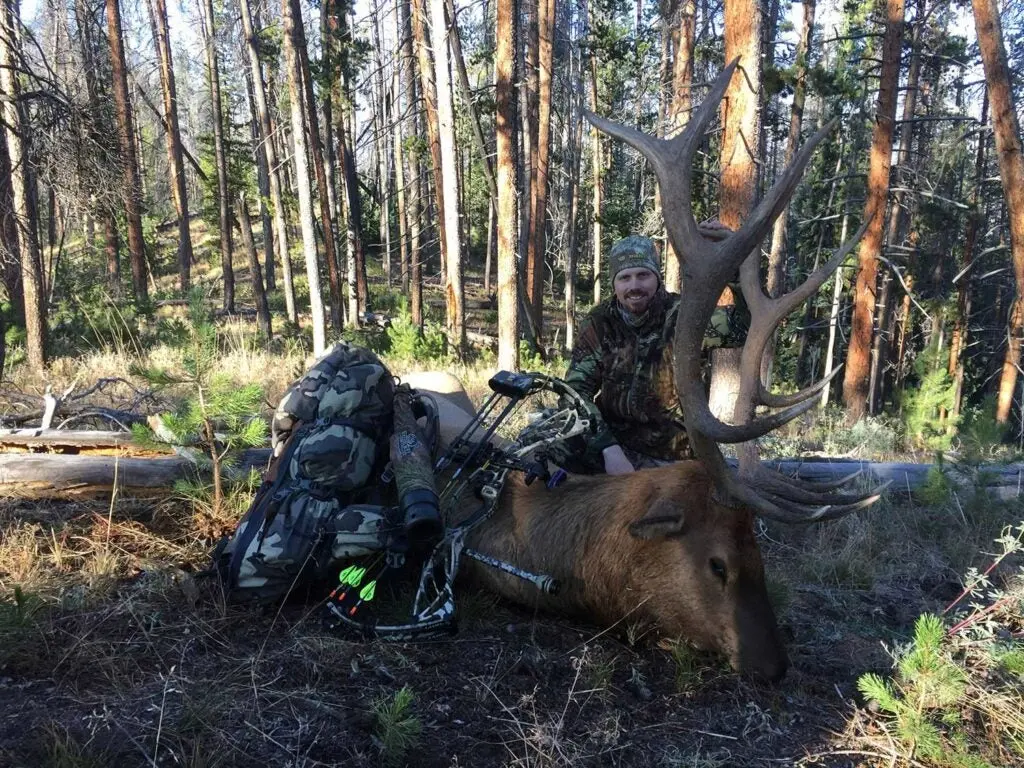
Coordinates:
(584,375)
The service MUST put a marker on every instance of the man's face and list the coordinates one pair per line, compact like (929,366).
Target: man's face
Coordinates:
(634,288)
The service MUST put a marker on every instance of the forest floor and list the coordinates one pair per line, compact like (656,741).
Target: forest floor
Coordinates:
(115,650)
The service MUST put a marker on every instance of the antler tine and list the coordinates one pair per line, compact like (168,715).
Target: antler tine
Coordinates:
(766,314)
(669,156)
(764,397)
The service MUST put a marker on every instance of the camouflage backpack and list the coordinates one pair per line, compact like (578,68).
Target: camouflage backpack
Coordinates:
(330,436)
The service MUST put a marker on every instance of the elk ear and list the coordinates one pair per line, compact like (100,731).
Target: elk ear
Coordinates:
(663,518)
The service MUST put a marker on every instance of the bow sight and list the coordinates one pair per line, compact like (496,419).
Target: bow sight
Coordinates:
(479,460)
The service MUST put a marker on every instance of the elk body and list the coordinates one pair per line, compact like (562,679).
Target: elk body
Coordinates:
(675,545)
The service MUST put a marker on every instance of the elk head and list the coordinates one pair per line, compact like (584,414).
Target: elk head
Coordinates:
(735,496)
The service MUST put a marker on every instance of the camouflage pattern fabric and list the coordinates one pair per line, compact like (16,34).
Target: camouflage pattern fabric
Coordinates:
(411,459)
(627,373)
(310,515)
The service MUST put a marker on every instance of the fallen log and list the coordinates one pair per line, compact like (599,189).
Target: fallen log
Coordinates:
(63,475)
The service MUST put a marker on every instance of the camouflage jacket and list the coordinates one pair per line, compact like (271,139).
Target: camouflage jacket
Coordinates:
(627,373)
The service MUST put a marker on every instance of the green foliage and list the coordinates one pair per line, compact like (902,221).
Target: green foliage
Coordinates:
(396,730)
(937,487)
(980,434)
(923,405)
(927,687)
(689,666)
(954,698)
(871,436)
(218,416)
(407,342)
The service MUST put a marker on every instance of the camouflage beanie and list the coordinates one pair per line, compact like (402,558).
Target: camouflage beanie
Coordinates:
(633,251)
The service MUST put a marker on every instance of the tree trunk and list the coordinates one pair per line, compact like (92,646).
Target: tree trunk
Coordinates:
(958,341)
(412,180)
(316,150)
(740,140)
(899,215)
(24,216)
(539,180)
(381,117)
(126,133)
(270,152)
(255,273)
(175,160)
(508,304)
(263,186)
(858,358)
(220,155)
(398,160)
(833,316)
(777,255)
(292,18)
(597,181)
(679,110)
(429,99)
(452,247)
(1011,170)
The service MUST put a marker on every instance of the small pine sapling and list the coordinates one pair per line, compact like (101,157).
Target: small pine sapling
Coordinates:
(218,417)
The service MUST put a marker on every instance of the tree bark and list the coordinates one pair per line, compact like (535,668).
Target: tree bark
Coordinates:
(1011,170)
(777,256)
(858,362)
(429,98)
(270,153)
(126,133)
(740,142)
(680,104)
(961,327)
(508,305)
(452,245)
(255,273)
(16,130)
(175,159)
(899,215)
(220,155)
(412,181)
(291,15)
(316,150)
(597,181)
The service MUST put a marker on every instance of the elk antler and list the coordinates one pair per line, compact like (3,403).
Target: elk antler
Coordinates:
(707,267)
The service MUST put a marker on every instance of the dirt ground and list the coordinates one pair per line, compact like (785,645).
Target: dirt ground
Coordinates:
(137,661)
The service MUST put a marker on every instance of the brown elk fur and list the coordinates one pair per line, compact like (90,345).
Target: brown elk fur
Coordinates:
(633,548)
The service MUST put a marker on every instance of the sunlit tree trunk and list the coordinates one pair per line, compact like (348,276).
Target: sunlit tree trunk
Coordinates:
(858,358)
(270,152)
(220,155)
(428,94)
(316,150)
(680,102)
(451,246)
(413,179)
(175,160)
(738,191)
(1011,170)
(14,133)
(300,157)
(126,133)
(508,304)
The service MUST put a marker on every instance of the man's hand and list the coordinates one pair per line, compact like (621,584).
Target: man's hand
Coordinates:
(713,229)
(615,461)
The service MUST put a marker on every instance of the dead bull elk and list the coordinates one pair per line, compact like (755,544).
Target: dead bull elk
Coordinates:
(676,545)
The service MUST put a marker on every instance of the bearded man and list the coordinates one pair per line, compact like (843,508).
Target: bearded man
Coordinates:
(622,361)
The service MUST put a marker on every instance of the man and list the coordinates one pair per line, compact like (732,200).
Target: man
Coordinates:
(622,361)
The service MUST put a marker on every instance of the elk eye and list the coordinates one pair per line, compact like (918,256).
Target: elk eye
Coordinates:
(718,568)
